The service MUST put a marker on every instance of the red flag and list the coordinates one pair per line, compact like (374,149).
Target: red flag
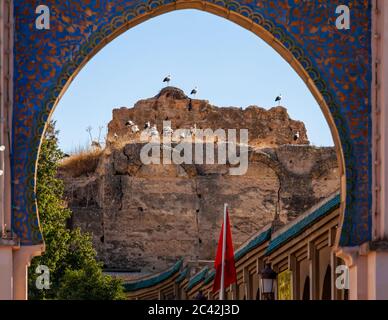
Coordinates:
(230,276)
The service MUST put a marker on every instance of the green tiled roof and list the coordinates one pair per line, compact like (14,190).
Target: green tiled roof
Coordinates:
(206,276)
(210,277)
(200,276)
(257,241)
(182,275)
(300,226)
(146,283)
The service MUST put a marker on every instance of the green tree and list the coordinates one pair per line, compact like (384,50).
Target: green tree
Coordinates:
(89,284)
(70,256)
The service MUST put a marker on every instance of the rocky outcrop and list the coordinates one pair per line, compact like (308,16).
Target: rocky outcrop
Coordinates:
(267,128)
(145,217)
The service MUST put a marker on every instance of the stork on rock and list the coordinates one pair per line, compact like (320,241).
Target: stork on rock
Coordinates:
(129,123)
(183,135)
(147,125)
(278,99)
(193,130)
(154,131)
(194,92)
(167,131)
(296,136)
(167,80)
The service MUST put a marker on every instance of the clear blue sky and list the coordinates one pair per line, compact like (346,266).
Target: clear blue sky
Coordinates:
(230,65)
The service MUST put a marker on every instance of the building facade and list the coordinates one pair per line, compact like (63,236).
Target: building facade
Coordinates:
(301,253)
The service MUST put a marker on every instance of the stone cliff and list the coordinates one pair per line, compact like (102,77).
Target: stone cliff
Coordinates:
(145,217)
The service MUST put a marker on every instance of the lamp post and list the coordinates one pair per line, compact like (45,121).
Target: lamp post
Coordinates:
(268,280)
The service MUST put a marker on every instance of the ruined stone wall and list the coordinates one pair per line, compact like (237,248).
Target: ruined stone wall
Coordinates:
(149,217)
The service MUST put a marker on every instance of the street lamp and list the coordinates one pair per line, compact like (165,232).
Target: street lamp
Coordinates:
(268,280)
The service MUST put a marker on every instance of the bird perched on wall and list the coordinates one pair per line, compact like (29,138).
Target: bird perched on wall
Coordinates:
(278,99)
(147,125)
(167,80)
(129,123)
(296,136)
(194,92)
(135,129)
(167,131)
(154,131)
(193,130)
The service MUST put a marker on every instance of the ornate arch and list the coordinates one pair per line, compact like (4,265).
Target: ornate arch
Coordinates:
(334,64)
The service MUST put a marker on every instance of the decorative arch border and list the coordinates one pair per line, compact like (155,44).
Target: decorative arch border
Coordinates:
(356,222)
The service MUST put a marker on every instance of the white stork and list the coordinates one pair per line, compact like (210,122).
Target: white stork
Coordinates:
(154,131)
(183,135)
(278,98)
(193,130)
(167,131)
(167,80)
(129,123)
(194,92)
(135,129)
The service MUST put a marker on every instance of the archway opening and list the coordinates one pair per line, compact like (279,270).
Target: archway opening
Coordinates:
(224,84)
(294,63)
